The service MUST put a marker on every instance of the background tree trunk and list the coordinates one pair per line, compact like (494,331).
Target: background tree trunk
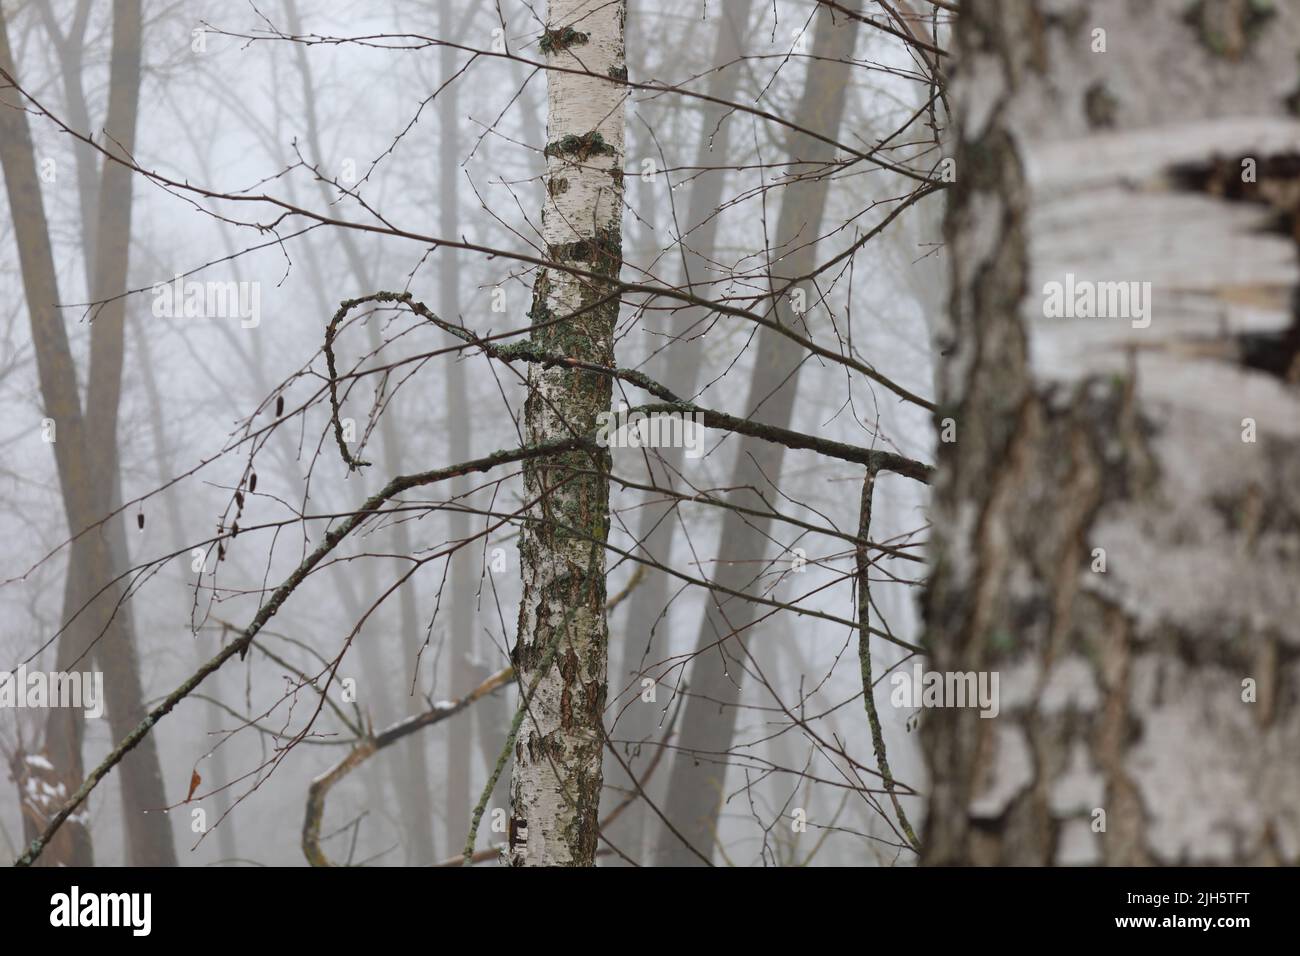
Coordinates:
(149,837)
(87,449)
(463,674)
(717,671)
(205,646)
(410,773)
(679,370)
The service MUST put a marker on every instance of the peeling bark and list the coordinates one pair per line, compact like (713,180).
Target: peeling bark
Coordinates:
(1122,688)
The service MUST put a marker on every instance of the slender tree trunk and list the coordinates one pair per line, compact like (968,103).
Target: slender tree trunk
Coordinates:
(1115,525)
(65,727)
(84,450)
(71,51)
(412,767)
(149,837)
(717,672)
(658,525)
(462,641)
(561,648)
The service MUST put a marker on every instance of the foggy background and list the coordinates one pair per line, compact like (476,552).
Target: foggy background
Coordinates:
(267,115)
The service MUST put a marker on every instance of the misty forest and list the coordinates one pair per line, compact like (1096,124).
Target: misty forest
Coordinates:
(650,432)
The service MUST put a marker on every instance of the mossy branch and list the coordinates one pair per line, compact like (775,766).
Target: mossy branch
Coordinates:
(527,351)
(864,658)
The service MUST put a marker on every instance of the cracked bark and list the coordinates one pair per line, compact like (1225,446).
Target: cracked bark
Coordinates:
(556,782)
(1121,690)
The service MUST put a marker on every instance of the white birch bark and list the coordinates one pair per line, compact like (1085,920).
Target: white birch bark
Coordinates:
(562,638)
(1121,439)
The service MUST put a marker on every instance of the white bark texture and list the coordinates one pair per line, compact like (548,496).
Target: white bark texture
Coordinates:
(562,639)
(1122,689)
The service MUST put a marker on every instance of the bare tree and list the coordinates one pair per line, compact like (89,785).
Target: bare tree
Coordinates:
(717,672)
(768,305)
(656,532)
(97,623)
(461,643)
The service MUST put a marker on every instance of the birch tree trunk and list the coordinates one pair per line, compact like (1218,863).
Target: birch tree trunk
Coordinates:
(492,715)
(1117,522)
(562,640)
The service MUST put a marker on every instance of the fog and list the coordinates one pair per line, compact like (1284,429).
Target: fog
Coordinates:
(288,157)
